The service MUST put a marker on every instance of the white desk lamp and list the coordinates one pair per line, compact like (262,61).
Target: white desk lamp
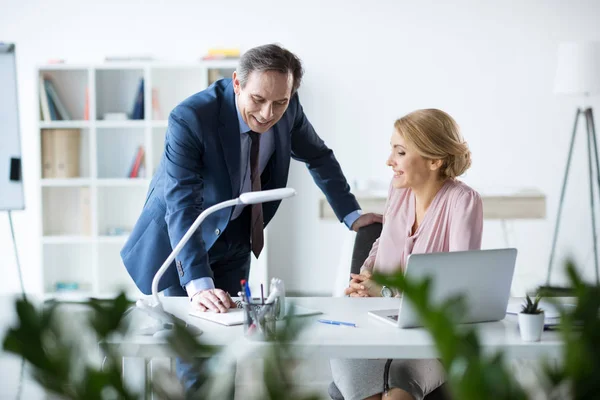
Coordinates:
(578,73)
(156,309)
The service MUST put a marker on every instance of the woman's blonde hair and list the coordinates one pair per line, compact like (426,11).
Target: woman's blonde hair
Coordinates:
(436,136)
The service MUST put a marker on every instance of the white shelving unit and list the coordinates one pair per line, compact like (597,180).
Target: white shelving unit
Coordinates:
(80,215)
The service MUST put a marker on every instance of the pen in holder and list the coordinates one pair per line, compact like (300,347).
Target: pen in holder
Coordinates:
(259,321)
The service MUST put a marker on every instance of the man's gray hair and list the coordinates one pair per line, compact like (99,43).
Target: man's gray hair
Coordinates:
(270,57)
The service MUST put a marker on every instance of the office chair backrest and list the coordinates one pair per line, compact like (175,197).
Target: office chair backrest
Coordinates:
(365,237)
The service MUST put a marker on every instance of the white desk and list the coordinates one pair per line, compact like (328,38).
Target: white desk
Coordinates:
(371,339)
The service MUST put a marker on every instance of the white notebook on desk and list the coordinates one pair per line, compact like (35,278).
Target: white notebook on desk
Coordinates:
(235,316)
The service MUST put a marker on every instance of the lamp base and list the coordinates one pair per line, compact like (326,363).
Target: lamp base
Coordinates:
(165,321)
(156,330)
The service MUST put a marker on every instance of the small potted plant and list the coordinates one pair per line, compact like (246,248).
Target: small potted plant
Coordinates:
(531,320)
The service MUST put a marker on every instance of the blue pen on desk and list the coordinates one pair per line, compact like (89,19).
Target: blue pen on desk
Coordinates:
(330,322)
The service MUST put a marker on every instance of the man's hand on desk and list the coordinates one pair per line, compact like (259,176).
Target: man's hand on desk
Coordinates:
(366,219)
(216,300)
(361,285)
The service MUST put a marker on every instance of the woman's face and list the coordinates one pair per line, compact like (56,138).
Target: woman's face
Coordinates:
(410,168)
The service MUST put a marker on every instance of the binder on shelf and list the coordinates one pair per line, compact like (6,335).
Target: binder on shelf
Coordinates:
(66,142)
(60,153)
(48,170)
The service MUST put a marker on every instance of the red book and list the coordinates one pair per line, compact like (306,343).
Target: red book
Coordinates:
(139,158)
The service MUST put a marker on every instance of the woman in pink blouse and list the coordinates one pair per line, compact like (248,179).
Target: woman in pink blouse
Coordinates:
(428,210)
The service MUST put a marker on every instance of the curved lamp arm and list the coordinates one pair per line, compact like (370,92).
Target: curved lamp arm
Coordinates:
(245,198)
(183,241)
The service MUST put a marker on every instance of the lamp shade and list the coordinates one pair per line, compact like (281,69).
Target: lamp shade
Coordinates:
(266,195)
(578,68)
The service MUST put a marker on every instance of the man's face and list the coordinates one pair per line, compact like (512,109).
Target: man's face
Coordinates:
(264,99)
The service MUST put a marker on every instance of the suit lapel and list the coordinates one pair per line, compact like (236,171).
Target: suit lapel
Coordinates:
(229,134)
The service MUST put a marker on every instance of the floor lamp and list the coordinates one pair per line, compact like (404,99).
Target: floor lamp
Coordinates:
(578,73)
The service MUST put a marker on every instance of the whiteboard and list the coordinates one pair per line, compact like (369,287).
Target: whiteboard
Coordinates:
(11,182)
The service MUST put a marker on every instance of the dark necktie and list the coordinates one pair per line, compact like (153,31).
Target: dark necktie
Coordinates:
(256,218)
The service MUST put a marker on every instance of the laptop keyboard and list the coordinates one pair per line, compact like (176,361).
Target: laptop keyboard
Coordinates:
(393,317)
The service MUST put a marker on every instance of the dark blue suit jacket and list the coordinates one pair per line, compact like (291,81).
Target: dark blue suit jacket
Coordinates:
(200,167)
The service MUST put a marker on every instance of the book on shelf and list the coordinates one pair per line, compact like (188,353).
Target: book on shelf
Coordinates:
(138,106)
(136,166)
(44,107)
(222,54)
(60,153)
(55,100)
(52,107)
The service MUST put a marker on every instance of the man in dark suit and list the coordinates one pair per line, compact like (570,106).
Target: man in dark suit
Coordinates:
(236,136)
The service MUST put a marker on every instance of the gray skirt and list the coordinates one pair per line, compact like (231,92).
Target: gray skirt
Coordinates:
(359,379)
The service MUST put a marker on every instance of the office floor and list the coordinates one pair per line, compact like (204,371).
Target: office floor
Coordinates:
(315,374)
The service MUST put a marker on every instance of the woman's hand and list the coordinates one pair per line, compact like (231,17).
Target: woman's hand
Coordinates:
(361,285)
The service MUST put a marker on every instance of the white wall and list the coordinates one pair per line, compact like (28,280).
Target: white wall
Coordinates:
(489,64)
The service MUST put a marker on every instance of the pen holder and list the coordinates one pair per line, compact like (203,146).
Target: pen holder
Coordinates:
(259,321)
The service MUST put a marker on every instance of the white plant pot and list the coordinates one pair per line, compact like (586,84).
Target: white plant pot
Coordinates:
(531,326)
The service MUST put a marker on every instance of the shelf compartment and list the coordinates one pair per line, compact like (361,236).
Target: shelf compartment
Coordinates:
(66,211)
(119,209)
(65,153)
(117,91)
(68,266)
(170,86)
(117,149)
(72,88)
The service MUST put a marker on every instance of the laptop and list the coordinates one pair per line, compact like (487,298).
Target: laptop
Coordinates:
(482,277)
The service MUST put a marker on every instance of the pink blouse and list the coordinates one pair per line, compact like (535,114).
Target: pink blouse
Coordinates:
(453,222)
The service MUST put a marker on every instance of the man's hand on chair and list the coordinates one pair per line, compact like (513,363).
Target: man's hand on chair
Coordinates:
(216,300)
(366,219)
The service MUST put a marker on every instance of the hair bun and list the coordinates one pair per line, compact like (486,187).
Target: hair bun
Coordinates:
(458,164)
